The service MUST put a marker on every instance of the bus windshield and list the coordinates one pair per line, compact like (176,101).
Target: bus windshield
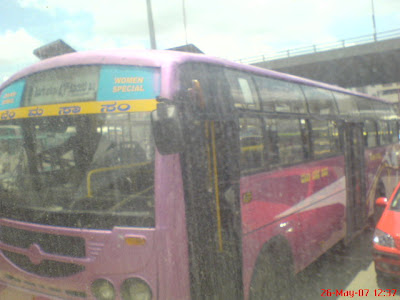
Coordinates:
(84,171)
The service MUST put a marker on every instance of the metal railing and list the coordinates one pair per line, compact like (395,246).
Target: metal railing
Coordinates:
(365,39)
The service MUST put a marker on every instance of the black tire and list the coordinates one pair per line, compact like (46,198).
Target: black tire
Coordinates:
(382,279)
(386,280)
(273,277)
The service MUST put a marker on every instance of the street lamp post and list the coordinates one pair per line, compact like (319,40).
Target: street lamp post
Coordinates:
(151,25)
(373,19)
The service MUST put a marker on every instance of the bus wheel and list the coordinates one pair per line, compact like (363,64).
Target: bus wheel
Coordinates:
(273,277)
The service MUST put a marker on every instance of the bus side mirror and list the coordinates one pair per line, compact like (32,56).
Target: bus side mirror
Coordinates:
(381,201)
(167,129)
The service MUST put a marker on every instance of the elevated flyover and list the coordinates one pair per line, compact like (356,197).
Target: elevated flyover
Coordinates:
(353,64)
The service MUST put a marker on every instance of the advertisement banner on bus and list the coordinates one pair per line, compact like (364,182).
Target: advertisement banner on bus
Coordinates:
(128,83)
(11,96)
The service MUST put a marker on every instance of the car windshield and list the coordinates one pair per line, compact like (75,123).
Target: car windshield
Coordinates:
(396,201)
(86,171)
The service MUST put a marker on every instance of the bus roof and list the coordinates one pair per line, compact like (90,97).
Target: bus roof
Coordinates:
(158,58)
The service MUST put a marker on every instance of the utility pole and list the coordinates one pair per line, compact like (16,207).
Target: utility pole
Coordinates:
(151,25)
(184,20)
(373,20)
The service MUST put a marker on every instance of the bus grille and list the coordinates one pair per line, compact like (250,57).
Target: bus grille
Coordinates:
(52,244)
(47,268)
(70,246)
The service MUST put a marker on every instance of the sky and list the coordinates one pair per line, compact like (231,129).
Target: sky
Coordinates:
(230,29)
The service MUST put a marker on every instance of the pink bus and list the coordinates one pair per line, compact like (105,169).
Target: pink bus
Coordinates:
(167,175)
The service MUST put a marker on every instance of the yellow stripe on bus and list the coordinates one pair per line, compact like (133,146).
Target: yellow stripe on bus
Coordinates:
(79,108)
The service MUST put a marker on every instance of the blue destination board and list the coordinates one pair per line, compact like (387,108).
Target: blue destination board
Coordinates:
(128,83)
(11,96)
(77,84)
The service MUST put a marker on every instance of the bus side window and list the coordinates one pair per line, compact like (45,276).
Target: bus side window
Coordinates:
(272,148)
(384,135)
(213,85)
(325,138)
(280,96)
(284,141)
(394,131)
(243,90)
(365,107)
(320,101)
(347,104)
(370,134)
(251,144)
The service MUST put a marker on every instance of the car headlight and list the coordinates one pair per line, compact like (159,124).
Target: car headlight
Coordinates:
(383,239)
(135,289)
(103,290)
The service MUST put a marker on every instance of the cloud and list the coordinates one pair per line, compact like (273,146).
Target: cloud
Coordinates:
(18,52)
(231,29)
(19,46)
(125,21)
(115,23)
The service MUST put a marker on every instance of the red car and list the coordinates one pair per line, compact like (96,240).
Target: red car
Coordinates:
(386,242)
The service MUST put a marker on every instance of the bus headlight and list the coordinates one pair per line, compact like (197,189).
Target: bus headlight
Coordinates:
(383,239)
(135,289)
(103,290)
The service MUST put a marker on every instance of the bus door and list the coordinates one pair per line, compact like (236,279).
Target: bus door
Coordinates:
(210,174)
(356,205)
